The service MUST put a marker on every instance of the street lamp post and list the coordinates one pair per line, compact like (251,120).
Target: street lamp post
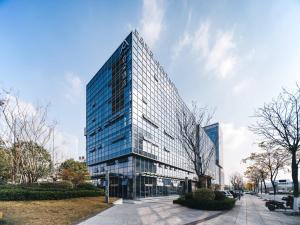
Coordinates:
(107,187)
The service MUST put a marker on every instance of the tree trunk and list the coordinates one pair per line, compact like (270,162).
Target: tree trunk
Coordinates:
(261,186)
(274,186)
(202,182)
(265,186)
(295,174)
(209,183)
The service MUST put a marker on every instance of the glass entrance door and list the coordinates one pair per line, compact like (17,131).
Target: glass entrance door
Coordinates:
(148,190)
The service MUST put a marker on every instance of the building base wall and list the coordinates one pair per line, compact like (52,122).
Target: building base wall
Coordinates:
(132,182)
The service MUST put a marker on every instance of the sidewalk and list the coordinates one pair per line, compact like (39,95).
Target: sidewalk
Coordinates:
(251,210)
(149,212)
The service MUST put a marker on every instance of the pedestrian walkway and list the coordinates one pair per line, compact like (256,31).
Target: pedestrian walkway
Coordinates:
(154,212)
(250,210)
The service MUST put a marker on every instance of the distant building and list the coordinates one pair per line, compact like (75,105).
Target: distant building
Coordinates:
(214,132)
(81,158)
(282,186)
(131,126)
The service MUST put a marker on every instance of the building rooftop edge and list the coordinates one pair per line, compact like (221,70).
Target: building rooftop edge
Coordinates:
(211,125)
(95,74)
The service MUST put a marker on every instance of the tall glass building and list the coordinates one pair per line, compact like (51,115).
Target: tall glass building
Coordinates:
(214,132)
(131,126)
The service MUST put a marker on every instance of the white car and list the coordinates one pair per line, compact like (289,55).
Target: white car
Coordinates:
(227,194)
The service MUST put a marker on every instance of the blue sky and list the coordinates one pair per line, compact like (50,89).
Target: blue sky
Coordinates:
(229,55)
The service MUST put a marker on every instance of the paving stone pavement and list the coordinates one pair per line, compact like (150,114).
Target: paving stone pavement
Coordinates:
(250,210)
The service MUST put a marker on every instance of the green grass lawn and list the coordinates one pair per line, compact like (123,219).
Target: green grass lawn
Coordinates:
(46,212)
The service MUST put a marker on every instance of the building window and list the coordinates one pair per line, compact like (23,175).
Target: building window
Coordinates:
(118,138)
(168,134)
(144,99)
(166,150)
(150,121)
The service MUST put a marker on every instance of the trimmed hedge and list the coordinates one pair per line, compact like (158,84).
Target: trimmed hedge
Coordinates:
(47,191)
(62,185)
(219,195)
(225,204)
(87,186)
(203,194)
(29,194)
(57,185)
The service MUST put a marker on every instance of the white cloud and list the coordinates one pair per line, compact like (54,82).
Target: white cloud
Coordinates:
(200,40)
(239,87)
(23,106)
(238,143)
(66,146)
(217,50)
(151,24)
(220,57)
(73,87)
(182,43)
(242,85)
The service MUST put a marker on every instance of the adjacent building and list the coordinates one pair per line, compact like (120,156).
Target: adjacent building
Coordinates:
(214,132)
(131,126)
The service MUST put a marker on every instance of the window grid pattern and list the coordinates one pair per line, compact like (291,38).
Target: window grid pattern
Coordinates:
(108,104)
(136,139)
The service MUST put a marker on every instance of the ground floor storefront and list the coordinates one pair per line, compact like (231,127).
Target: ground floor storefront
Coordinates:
(141,186)
(136,177)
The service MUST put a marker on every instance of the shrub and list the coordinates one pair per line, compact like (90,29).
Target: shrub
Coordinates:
(29,194)
(57,185)
(63,185)
(7,221)
(225,204)
(87,186)
(219,195)
(179,200)
(203,194)
(188,195)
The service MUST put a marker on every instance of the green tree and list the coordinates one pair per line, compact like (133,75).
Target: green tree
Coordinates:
(74,171)
(5,168)
(35,163)
(25,132)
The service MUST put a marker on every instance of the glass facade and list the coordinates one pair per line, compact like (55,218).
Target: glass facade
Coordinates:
(214,132)
(131,126)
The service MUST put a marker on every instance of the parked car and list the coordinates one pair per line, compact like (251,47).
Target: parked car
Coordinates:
(289,201)
(227,194)
(234,194)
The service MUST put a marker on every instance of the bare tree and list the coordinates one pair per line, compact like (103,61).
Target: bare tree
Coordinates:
(253,175)
(278,123)
(269,162)
(199,151)
(22,123)
(236,180)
